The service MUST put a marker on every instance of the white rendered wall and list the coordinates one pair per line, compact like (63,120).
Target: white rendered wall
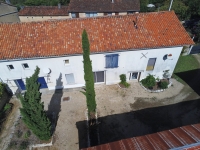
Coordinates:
(41,18)
(129,61)
(82,15)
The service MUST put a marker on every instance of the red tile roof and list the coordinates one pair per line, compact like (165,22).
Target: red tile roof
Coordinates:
(104,5)
(115,33)
(180,138)
(44,11)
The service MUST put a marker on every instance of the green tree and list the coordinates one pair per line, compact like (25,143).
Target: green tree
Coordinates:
(179,7)
(88,74)
(32,110)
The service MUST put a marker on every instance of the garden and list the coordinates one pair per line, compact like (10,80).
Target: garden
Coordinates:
(153,84)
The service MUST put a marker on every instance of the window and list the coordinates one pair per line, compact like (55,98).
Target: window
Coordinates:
(133,75)
(66,62)
(10,67)
(91,14)
(151,64)
(130,12)
(112,61)
(98,76)
(25,66)
(75,15)
(107,14)
(117,13)
(70,78)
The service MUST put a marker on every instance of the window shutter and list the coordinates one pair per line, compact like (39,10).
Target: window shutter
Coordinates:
(115,61)
(112,61)
(108,61)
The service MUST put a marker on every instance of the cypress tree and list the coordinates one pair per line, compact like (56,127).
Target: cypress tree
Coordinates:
(88,74)
(32,111)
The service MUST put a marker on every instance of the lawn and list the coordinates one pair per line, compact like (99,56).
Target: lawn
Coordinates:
(185,63)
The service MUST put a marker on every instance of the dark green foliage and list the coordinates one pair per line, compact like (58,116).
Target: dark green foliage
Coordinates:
(27,134)
(179,7)
(123,80)
(2,89)
(149,81)
(88,74)
(32,110)
(163,85)
(23,145)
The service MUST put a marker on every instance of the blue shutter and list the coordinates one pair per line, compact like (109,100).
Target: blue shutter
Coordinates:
(112,61)
(108,61)
(115,61)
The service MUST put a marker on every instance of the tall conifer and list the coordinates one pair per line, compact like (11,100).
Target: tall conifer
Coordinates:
(32,110)
(88,74)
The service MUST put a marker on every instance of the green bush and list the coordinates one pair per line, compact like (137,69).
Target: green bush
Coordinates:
(122,78)
(2,87)
(149,81)
(27,134)
(7,107)
(23,145)
(163,85)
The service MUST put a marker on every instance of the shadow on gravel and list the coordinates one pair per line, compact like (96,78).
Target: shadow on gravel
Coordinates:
(142,122)
(192,78)
(54,106)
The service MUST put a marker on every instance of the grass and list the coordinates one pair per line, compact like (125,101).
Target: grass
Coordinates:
(185,63)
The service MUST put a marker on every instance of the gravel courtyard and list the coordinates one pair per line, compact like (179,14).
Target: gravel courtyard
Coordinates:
(110,100)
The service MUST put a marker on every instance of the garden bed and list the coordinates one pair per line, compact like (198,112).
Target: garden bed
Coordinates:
(156,88)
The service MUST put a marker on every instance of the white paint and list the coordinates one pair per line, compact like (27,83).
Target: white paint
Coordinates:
(129,61)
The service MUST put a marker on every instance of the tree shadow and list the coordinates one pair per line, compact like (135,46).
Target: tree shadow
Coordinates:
(192,78)
(54,106)
(138,123)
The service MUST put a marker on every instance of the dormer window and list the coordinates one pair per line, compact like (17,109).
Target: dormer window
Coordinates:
(10,67)
(25,66)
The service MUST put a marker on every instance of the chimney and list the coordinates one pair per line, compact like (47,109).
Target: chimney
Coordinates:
(59,5)
(112,1)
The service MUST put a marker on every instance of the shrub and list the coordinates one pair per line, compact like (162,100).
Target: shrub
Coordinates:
(163,85)
(7,107)
(149,81)
(2,87)
(27,134)
(122,78)
(23,145)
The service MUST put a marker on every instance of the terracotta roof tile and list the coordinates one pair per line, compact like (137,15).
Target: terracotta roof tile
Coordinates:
(55,38)
(44,11)
(104,5)
(176,139)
